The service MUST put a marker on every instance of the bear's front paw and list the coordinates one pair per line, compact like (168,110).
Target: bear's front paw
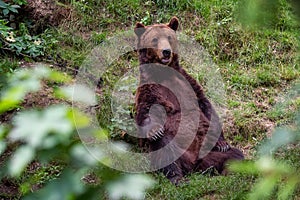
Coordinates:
(156,132)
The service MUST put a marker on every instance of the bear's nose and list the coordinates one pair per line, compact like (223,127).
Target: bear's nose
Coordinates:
(166,52)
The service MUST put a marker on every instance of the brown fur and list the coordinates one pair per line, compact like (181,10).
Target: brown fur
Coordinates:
(157,46)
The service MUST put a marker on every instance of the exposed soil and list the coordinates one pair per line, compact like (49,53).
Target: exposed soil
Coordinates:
(232,129)
(8,189)
(45,13)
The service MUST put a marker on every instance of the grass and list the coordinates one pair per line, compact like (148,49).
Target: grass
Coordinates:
(7,67)
(234,186)
(258,67)
(204,187)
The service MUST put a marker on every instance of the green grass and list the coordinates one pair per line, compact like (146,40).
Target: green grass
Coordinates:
(36,178)
(258,67)
(200,186)
(7,67)
(233,186)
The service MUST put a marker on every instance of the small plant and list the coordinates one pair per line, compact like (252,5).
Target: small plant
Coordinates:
(7,8)
(26,45)
(7,67)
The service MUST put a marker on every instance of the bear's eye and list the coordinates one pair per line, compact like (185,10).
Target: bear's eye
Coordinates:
(154,40)
(169,38)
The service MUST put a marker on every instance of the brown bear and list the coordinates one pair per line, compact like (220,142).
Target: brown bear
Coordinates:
(174,117)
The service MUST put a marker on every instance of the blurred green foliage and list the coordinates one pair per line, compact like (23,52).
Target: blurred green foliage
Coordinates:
(49,134)
(278,179)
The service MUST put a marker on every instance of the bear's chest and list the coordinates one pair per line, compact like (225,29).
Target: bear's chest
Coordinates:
(170,86)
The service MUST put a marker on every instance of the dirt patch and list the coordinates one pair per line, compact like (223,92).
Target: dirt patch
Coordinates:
(43,98)
(45,13)
(252,130)
(8,189)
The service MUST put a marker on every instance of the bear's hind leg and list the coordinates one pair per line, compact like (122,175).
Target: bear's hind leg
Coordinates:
(218,160)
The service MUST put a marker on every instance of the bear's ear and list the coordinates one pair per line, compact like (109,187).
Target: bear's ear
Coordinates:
(139,29)
(173,24)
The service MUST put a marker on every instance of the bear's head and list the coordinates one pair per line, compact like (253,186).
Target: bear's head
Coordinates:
(157,43)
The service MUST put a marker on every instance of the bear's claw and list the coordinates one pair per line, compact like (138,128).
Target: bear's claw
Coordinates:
(157,134)
(222,146)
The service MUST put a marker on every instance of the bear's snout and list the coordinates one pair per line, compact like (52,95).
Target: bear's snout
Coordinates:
(167,53)
(165,56)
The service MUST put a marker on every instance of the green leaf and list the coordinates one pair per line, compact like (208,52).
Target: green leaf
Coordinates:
(13,8)
(79,93)
(279,138)
(2,147)
(259,13)
(5,11)
(20,2)
(21,83)
(33,127)
(268,166)
(78,119)
(244,166)
(59,77)
(3,130)
(85,156)
(21,158)
(132,186)
(287,189)
(68,186)
(12,97)
(101,134)
(3,4)
(263,189)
